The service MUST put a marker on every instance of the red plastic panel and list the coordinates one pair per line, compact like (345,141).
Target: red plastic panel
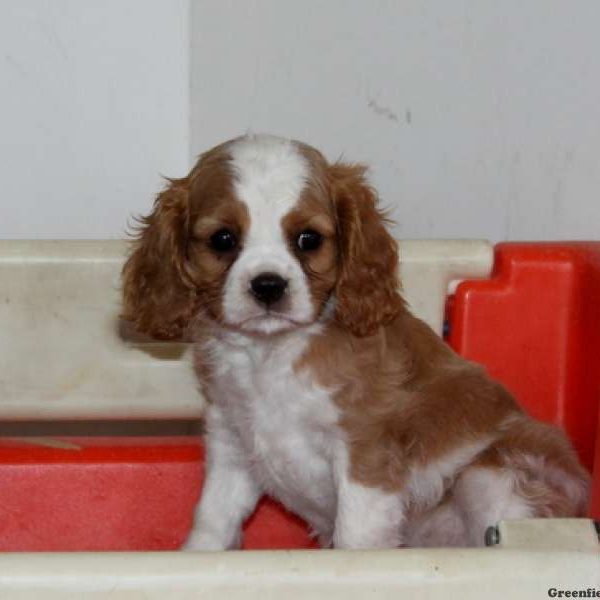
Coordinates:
(536,326)
(116,494)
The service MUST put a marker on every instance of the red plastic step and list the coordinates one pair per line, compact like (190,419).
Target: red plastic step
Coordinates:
(535,325)
(115,494)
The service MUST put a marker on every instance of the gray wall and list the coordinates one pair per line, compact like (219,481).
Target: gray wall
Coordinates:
(94,105)
(480,118)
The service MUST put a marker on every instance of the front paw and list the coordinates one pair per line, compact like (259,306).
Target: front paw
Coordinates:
(200,540)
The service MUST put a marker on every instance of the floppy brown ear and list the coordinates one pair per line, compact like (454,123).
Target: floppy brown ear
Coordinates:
(158,296)
(367,292)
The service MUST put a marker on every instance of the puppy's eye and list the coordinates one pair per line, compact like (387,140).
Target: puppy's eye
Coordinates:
(309,240)
(223,240)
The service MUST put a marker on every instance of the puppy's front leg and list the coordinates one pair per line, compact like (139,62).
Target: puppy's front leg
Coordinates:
(367,517)
(229,495)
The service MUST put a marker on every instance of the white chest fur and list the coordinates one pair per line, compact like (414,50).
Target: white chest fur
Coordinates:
(284,421)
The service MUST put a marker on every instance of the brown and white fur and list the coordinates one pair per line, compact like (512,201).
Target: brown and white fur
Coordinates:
(333,398)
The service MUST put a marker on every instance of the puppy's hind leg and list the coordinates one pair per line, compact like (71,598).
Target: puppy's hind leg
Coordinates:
(485,496)
(366,517)
(442,526)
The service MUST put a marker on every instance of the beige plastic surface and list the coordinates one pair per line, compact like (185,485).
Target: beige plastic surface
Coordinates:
(569,535)
(427,267)
(500,572)
(62,355)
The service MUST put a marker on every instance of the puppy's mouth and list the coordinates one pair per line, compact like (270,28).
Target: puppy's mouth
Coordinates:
(271,315)
(268,321)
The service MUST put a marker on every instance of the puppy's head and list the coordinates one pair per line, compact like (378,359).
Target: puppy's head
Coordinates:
(263,236)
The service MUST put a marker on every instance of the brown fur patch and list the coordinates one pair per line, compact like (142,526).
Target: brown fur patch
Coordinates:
(157,294)
(407,399)
(367,288)
(541,456)
(314,211)
(172,274)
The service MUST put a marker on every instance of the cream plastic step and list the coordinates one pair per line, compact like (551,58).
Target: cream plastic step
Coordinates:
(62,350)
(427,267)
(563,555)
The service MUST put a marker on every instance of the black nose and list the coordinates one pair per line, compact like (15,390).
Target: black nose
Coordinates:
(268,287)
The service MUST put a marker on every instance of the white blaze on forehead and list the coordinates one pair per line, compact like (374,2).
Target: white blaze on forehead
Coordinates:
(269,176)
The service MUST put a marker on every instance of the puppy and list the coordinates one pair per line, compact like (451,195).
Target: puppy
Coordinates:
(324,391)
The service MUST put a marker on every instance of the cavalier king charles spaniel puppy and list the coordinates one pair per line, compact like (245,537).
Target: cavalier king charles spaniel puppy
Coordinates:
(323,390)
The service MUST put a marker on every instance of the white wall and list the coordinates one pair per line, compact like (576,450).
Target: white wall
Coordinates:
(480,118)
(94,104)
